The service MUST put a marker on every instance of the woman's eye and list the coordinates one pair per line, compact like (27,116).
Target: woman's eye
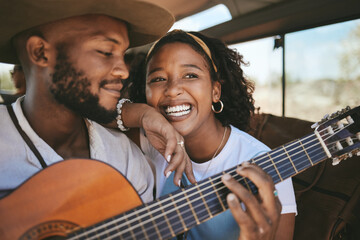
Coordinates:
(157,79)
(191,75)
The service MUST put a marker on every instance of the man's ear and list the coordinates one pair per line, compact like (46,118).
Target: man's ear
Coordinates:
(38,50)
(216,93)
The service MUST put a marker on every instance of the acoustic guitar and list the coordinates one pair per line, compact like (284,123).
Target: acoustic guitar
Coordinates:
(88,199)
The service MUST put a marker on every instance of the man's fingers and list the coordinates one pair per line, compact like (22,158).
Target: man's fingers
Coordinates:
(250,201)
(265,187)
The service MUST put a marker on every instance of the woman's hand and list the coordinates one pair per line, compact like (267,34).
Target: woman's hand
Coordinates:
(261,216)
(162,136)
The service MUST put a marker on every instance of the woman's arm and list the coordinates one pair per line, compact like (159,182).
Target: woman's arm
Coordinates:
(162,136)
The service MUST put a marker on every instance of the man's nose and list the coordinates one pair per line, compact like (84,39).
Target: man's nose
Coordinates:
(120,69)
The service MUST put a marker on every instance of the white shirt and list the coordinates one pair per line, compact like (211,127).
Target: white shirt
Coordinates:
(240,147)
(18,162)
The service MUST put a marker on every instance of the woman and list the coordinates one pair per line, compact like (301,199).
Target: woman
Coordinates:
(197,84)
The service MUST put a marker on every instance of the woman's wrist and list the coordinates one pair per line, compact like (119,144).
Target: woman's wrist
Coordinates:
(132,114)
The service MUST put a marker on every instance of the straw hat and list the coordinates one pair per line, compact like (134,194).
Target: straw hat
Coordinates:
(147,21)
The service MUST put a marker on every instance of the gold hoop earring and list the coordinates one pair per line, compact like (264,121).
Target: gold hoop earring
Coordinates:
(221,107)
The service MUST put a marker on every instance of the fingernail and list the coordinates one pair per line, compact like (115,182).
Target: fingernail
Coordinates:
(179,183)
(245,164)
(168,158)
(168,174)
(226,177)
(231,197)
(261,230)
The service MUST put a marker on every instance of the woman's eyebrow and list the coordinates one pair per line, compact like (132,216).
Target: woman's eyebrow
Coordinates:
(192,66)
(154,70)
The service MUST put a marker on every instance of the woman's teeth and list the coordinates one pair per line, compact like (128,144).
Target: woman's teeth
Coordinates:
(178,111)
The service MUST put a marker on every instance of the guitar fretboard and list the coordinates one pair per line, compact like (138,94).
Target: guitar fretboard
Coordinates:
(183,209)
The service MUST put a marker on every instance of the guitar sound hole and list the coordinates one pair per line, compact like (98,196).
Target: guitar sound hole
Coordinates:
(53,230)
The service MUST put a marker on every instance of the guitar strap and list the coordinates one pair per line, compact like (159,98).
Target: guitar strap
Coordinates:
(25,136)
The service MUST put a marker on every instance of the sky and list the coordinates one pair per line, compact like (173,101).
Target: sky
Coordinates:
(310,54)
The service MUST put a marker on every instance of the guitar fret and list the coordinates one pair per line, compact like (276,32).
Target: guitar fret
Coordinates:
(315,151)
(191,207)
(154,223)
(204,201)
(166,218)
(273,163)
(299,157)
(217,194)
(197,202)
(160,224)
(130,228)
(284,166)
(178,213)
(247,184)
(302,145)
(142,227)
(292,163)
(112,228)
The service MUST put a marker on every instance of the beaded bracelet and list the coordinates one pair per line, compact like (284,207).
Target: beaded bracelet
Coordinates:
(119,122)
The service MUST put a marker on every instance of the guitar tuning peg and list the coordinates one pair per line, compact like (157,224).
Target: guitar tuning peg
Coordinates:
(336,161)
(326,117)
(313,126)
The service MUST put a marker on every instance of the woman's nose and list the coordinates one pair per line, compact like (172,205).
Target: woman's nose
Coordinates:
(174,88)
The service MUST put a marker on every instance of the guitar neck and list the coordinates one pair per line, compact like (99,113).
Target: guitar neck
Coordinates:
(183,209)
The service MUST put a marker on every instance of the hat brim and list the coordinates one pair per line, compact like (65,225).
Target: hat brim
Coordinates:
(147,22)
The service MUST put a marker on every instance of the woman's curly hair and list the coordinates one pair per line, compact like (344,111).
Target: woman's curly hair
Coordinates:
(236,90)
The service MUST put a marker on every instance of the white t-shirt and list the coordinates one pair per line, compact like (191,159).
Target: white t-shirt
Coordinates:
(240,147)
(18,162)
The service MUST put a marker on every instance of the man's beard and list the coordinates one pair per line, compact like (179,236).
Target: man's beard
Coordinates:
(72,89)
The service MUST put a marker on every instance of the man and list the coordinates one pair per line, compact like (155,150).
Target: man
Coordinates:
(72,54)
(72,57)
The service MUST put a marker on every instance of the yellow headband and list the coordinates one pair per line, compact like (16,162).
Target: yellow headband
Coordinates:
(199,41)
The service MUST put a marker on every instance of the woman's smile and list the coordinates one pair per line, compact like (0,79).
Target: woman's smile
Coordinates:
(178,110)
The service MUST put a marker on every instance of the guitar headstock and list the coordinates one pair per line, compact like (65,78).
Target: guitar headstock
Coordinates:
(339,134)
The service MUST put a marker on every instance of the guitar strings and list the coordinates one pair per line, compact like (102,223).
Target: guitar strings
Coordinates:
(144,209)
(237,177)
(195,207)
(160,202)
(133,227)
(220,182)
(149,221)
(186,218)
(145,222)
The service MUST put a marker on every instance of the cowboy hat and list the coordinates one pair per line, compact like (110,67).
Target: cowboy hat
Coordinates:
(147,22)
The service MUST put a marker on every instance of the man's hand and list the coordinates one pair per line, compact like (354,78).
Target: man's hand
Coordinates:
(261,217)
(162,136)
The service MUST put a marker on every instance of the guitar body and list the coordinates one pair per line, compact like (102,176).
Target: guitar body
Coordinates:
(67,195)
